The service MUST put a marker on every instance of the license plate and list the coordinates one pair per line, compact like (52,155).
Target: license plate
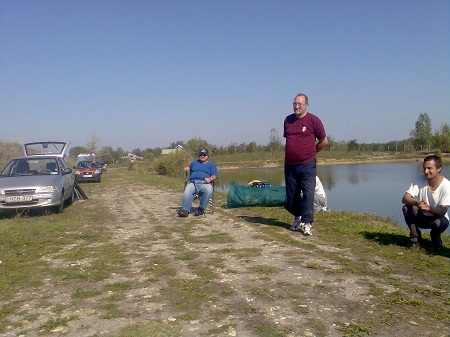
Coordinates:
(19,198)
(88,175)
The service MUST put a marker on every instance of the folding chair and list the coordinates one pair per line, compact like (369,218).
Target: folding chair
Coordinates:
(210,201)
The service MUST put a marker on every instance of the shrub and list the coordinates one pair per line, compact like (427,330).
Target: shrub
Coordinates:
(9,150)
(172,164)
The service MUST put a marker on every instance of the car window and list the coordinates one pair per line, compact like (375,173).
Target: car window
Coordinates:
(44,166)
(31,167)
(45,148)
(9,169)
(22,168)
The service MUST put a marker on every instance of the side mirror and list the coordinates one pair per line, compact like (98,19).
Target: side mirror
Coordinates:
(67,171)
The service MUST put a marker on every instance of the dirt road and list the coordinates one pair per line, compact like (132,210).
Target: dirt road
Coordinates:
(219,275)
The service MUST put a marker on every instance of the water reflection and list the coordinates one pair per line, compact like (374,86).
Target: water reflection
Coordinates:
(353,178)
(368,188)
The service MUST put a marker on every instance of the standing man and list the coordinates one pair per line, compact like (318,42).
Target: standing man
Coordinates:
(305,137)
(202,174)
(426,203)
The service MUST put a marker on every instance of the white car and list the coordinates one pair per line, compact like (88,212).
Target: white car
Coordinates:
(41,179)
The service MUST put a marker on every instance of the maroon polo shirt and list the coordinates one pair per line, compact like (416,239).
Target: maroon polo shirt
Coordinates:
(301,135)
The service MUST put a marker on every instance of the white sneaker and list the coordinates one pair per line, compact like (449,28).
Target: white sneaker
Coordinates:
(297,224)
(307,229)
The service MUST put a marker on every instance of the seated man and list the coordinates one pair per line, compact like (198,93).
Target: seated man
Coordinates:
(202,173)
(23,167)
(320,197)
(426,203)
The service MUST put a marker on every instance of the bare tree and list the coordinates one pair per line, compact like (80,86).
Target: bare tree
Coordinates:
(94,145)
(275,142)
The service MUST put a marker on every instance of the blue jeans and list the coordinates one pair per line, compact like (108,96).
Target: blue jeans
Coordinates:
(300,185)
(200,188)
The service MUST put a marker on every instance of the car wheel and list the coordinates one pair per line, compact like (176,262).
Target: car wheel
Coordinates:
(60,207)
(71,199)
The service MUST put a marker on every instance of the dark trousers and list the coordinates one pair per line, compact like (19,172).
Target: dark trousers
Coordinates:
(415,219)
(300,185)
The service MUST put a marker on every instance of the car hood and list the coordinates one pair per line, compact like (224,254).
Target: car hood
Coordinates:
(91,169)
(28,181)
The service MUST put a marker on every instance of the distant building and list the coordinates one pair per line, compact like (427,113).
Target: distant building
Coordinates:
(169,151)
(132,157)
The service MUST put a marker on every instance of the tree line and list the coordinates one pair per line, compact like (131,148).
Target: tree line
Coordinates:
(422,137)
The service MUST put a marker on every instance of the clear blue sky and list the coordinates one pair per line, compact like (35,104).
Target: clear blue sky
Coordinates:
(144,74)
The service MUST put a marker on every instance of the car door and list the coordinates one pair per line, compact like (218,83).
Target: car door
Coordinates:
(68,179)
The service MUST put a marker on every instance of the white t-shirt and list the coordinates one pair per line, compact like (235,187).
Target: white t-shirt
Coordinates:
(319,188)
(420,190)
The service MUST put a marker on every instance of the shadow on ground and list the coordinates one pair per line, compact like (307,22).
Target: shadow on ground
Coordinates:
(387,239)
(264,221)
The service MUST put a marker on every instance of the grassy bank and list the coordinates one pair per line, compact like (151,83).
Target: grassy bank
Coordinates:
(261,159)
(61,264)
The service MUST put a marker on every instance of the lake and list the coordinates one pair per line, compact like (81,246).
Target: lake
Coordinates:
(365,188)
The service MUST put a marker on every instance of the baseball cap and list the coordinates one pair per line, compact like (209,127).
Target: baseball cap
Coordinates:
(203,152)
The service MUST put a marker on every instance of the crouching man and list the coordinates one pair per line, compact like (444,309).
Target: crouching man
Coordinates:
(202,174)
(426,204)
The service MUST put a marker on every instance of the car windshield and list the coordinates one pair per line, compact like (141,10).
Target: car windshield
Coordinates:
(30,167)
(87,164)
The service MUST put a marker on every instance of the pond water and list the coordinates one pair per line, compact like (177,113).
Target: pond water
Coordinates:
(366,188)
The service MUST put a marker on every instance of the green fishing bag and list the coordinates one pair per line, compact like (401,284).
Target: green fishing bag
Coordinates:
(246,196)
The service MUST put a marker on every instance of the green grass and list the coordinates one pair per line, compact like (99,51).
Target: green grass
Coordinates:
(258,159)
(23,243)
(84,255)
(188,295)
(153,328)
(240,253)
(52,323)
